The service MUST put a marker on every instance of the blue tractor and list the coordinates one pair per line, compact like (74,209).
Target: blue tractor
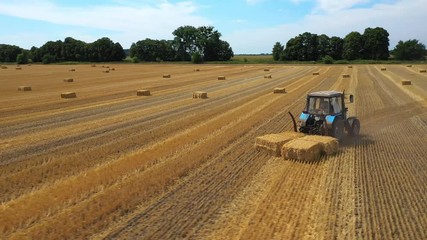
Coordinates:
(326,114)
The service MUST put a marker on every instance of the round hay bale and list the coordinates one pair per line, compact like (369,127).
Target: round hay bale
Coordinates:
(143,92)
(166,76)
(316,73)
(24,88)
(200,94)
(68,80)
(279,90)
(68,95)
(221,77)
(406,82)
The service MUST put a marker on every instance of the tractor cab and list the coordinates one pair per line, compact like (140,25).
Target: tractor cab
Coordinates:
(325,113)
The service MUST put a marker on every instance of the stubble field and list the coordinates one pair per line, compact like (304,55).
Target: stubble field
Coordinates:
(111,164)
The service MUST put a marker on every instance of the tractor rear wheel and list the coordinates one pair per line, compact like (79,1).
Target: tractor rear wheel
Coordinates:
(355,128)
(337,130)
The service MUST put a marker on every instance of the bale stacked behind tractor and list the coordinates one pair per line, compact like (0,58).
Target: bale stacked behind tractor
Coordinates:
(329,144)
(299,149)
(274,142)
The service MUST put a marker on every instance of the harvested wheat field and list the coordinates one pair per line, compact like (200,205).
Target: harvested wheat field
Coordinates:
(111,164)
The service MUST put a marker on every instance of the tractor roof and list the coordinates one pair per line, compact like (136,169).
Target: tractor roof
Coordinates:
(325,94)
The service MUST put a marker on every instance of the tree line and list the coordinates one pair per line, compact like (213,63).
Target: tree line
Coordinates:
(189,43)
(373,44)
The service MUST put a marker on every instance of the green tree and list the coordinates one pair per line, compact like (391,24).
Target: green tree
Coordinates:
(277,51)
(9,53)
(409,50)
(376,43)
(336,45)
(196,58)
(353,46)
(185,42)
(23,57)
(323,46)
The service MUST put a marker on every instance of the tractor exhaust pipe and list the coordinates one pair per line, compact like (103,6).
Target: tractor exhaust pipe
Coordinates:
(293,120)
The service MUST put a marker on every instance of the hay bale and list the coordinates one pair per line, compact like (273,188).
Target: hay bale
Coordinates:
(200,94)
(316,73)
(406,82)
(299,149)
(18,68)
(68,95)
(93,65)
(422,71)
(383,69)
(267,76)
(3,67)
(68,80)
(166,76)
(409,65)
(350,66)
(24,88)
(346,75)
(113,69)
(72,70)
(221,77)
(274,142)
(279,90)
(266,70)
(106,71)
(329,144)
(143,93)
(196,70)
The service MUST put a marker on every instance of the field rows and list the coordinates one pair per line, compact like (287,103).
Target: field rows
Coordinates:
(109,164)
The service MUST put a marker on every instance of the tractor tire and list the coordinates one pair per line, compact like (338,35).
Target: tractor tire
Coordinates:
(355,128)
(337,130)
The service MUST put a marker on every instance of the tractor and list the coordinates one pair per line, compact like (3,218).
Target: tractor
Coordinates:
(326,114)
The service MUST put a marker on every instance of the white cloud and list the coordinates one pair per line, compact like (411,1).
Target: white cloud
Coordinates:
(131,22)
(254,2)
(401,19)
(337,5)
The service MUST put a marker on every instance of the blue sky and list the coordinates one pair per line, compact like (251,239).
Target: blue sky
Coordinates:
(250,26)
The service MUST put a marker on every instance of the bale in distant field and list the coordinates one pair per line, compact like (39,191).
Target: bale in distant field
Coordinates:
(299,149)
(423,71)
(113,69)
(68,80)
(266,69)
(106,71)
(143,93)
(93,65)
(196,70)
(200,94)
(221,77)
(409,65)
(279,90)
(329,144)
(383,69)
(406,82)
(316,73)
(18,68)
(346,75)
(3,67)
(267,76)
(350,66)
(68,95)
(72,70)
(166,76)
(24,88)
(274,142)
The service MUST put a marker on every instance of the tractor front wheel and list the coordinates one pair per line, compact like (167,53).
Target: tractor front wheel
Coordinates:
(338,129)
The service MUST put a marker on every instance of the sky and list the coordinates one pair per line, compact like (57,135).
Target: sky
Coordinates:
(249,26)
